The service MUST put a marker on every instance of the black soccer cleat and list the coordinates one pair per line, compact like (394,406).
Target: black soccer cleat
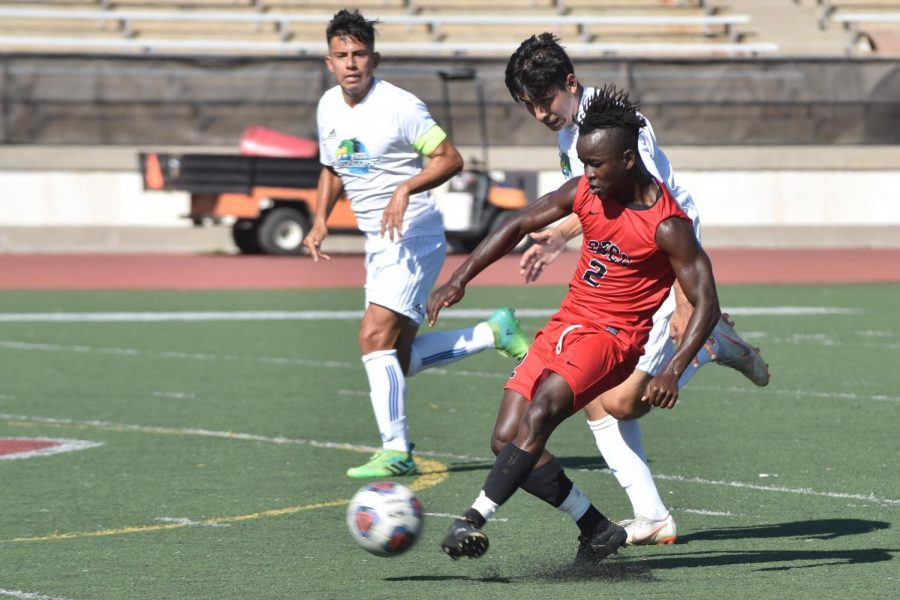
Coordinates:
(606,539)
(464,539)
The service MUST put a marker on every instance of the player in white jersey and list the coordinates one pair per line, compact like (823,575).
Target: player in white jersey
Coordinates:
(372,137)
(540,75)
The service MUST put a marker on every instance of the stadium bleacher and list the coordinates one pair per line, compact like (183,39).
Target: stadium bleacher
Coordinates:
(458,27)
(411,27)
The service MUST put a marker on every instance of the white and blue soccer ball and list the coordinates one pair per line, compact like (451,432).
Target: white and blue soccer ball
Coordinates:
(385,518)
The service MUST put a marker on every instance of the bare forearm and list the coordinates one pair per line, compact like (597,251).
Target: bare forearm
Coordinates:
(440,167)
(328,191)
(500,243)
(571,227)
(703,320)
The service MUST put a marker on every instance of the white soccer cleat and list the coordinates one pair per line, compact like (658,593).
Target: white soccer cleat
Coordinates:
(734,352)
(644,532)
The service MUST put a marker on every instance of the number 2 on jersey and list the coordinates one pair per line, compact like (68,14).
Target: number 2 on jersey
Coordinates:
(594,276)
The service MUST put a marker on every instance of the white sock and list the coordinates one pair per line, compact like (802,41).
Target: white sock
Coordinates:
(704,356)
(620,444)
(387,391)
(440,348)
(485,506)
(576,503)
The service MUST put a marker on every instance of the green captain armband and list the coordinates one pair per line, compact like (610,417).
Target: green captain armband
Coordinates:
(430,140)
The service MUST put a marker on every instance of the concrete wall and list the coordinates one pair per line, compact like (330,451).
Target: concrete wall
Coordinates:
(818,197)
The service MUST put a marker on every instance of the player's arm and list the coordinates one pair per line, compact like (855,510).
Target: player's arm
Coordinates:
(693,271)
(444,162)
(548,245)
(328,191)
(545,210)
(680,316)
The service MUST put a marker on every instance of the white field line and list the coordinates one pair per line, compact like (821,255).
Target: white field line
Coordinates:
(331,364)
(189,522)
(349,315)
(232,435)
(28,595)
(796,393)
(200,356)
(449,516)
(711,513)
(63,445)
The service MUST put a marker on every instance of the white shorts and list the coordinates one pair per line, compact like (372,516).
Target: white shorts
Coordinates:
(399,275)
(660,347)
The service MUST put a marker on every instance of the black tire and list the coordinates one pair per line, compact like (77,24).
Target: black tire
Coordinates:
(245,232)
(502,217)
(461,245)
(282,231)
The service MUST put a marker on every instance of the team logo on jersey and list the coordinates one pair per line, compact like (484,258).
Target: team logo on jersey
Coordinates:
(353,155)
(565,165)
(610,250)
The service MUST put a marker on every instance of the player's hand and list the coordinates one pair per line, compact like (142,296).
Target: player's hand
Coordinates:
(548,245)
(662,391)
(314,240)
(392,218)
(447,295)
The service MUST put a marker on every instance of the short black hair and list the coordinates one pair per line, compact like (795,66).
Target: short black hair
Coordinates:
(351,24)
(610,108)
(537,67)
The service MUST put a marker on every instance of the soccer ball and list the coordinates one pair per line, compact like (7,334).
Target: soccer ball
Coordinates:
(385,518)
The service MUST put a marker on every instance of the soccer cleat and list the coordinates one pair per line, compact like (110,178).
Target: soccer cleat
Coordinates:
(464,539)
(644,532)
(739,355)
(386,463)
(508,337)
(606,539)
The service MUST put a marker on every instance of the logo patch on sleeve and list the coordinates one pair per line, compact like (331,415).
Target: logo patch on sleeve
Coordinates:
(14,448)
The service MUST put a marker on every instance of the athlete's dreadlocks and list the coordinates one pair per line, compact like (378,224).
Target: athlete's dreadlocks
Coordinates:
(610,108)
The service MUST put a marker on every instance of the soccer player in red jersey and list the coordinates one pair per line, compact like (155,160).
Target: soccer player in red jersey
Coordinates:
(637,242)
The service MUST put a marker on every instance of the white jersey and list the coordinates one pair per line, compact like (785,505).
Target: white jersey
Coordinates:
(654,159)
(370,146)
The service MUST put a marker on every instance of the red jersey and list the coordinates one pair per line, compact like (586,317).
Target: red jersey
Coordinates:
(622,277)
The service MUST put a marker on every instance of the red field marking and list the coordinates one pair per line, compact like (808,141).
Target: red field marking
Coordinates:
(207,272)
(9,446)
(21,447)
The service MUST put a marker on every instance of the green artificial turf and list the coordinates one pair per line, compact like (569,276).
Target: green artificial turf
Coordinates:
(791,491)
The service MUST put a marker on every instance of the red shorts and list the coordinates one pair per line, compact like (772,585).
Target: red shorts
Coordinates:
(591,360)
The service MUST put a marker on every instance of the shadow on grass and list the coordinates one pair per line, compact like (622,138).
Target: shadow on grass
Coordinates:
(645,569)
(569,462)
(819,558)
(429,578)
(822,529)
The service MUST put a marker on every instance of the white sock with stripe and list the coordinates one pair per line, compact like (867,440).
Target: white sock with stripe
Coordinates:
(620,444)
(439,348)
(387,391)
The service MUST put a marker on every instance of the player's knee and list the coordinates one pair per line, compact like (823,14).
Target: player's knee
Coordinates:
(540,419)
(626,408)
(499,439)
(373,339)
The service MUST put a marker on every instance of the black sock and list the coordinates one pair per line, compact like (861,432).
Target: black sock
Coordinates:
(511,468)
(549,483)
(589,520)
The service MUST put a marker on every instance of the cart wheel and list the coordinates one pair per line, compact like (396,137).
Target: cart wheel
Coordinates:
(244,232)
(282,231)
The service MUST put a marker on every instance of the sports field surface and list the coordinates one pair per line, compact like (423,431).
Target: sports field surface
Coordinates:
(160,444)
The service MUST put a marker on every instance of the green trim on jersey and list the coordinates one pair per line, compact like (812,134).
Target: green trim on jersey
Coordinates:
(430,140)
